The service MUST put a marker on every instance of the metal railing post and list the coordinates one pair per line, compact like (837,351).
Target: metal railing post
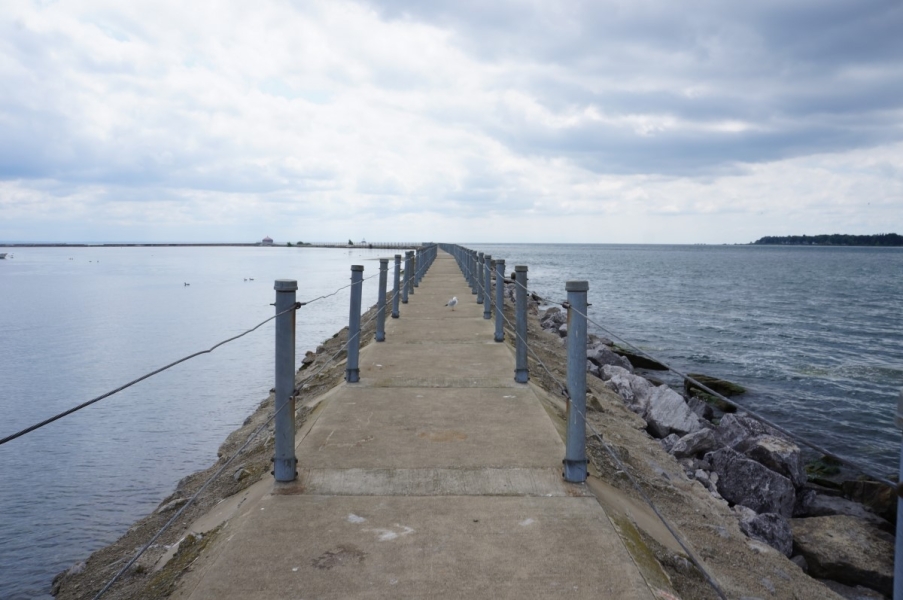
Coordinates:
(479,274)
(575,451)
(474,286)
(396,289)
(406,287)
(381,301)
(284,461)
(499,298)
(352,372)
(415,280)
(487,283)
(521,375)
(898,542)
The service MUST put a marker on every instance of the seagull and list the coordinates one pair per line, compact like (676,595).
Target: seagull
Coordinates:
(453,302)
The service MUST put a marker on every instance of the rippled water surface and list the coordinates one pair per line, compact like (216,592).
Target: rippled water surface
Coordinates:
(814,333)
(78,322)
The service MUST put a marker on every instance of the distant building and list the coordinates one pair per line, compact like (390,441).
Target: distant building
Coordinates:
(267,241)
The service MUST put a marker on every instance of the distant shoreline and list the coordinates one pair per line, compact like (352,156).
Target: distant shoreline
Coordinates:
(836,239)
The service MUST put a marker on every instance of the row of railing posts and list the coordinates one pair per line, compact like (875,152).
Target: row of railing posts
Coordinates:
(478,269)
(416,265)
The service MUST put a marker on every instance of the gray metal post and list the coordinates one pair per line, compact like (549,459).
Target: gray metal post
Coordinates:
(415,281)
(473,271)
(396,289)
(352,372)
(479,274)
(521,374)
(898,543)
(499,298)
(406,285)
(381,301)
(487,283)
(575,451)
(284,461)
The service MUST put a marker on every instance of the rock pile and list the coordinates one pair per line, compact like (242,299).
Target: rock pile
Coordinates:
(756,470)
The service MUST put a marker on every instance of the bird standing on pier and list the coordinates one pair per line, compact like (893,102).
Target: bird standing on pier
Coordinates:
(453,302)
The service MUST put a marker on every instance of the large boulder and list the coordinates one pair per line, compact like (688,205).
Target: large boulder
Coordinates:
(810,503)
(879,497)
(771,528)
(748,483)
(694,443)
(668,413)
(846,549)
(778,454)
(602,355)
(639,361)
(633,389)
(553,318)
(735,429)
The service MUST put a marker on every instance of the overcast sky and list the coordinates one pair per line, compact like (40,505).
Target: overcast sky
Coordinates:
(638,121)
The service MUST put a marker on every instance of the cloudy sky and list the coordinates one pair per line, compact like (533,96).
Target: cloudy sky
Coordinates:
(632,121)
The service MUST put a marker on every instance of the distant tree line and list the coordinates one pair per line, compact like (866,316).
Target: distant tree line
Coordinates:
(836,239)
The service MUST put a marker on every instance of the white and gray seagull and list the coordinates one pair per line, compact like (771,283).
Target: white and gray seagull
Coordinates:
(452,302)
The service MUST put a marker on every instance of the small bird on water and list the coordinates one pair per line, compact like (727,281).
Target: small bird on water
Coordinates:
(453,302)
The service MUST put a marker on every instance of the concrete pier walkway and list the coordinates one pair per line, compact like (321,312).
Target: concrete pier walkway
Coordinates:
(435,476)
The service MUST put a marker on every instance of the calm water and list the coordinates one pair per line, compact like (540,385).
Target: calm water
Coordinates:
(74,329)
(814,333)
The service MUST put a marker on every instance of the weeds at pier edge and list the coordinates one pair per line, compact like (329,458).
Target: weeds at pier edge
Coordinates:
(143,581)
(744,568)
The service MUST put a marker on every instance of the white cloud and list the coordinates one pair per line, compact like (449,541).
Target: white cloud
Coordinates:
(324,120)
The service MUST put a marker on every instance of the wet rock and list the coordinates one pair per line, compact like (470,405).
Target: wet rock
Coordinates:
(713,401)
(594,340)
(810,503)
(778,454)
(846,549)
(746,482)
(668,413)
(701,408)
(640,362)
(771,528)
(602,355)
(723,387)
(694,443)
(877,496)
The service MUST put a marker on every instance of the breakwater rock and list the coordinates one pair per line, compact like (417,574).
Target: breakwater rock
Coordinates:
(757,471)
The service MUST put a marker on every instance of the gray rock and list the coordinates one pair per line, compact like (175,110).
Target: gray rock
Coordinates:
(609,371)
(735,429)
(668,441)
(778,454)
(846,549)
(694,443)
(592,368)
(800,561)
(810,503)
(852,592)
(563,330)
(702,409)
(633,389)
(553,318)
(172,505)
(594,340)
(771,528)
(668,413)
(602,355)
(746,482)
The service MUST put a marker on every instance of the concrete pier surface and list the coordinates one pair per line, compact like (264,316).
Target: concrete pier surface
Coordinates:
(435,476)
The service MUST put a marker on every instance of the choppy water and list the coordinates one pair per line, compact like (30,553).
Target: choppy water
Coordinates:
(74,329)
(814,333)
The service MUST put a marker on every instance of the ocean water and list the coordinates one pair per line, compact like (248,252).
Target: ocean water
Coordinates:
(78,322)
(815,334)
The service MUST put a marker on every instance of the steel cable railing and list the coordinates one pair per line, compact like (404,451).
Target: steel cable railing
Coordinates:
(235,455)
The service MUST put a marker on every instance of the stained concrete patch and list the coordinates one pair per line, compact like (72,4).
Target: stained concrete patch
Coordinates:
(474,547)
